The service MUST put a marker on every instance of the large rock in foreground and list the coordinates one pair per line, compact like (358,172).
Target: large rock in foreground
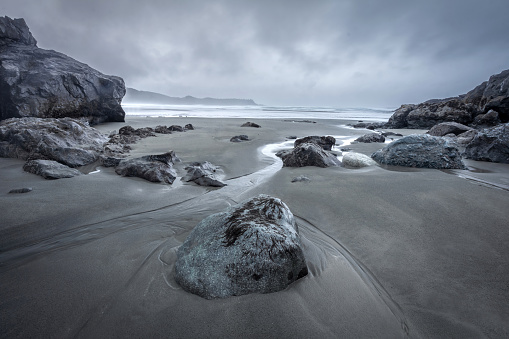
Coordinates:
(42,83)
(308,154)
(491,144)
(154,168)
(253,247)
(69,141)
(420,150)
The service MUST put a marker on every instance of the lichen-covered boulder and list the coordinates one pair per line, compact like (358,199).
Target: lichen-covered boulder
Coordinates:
(154,168)
(490,144)
(421,150)
(253,247)
(308,154)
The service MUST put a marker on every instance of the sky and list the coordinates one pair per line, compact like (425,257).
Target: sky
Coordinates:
(339,53)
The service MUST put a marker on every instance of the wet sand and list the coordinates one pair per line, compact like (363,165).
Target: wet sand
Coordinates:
(392,252)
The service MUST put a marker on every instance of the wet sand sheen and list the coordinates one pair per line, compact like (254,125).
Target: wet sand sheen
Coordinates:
(95,258)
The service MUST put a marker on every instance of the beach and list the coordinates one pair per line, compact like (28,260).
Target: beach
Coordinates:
(391,251)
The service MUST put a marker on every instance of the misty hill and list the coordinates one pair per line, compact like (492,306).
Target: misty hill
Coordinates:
(134,96)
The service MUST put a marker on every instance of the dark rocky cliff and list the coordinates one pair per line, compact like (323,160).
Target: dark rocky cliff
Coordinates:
(35,82)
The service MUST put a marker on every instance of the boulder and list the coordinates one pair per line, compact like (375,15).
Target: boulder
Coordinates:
(325,142)
(239,138)
(69,141)
(371,137)
(49,169)
(490,144)
(250,124)
(301,179)
(466,137)
(176,128)
(369,125)
(154,168)
(203,174)
(162,130)
(308,154)
(42,83)
(420,150)
(252,247)
(189,127)
(357,160)
(443,128)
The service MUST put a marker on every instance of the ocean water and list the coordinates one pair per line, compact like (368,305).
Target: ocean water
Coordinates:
(261,112)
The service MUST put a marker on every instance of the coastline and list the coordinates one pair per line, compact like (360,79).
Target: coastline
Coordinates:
(94,254)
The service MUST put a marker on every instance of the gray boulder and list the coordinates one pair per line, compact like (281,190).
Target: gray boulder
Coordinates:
(49,169)
(357,160)
(490,144)
(42,83)
(466,137)
(203,174)
(239,138)
(250,124)
(371,137)
(488,119)
(301,179)
(444,128)
(21,190)
(308,154)
(420,150)
(69,141)
(325,142)
(154,168)
(253,247)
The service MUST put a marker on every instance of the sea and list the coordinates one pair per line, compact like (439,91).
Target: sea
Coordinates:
(260,112)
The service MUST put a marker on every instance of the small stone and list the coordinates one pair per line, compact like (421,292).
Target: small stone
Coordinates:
(21,190)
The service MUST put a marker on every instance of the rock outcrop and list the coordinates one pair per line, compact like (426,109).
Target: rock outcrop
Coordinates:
(371,137)
(154,168)
(464,109)
(203,174)
(253,247)
(42,83)
(49,169)
(325,142)
(491,144)
(421,150)
(69,141)
(308,154)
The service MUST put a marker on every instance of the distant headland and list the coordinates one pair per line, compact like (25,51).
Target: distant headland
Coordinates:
(134,96)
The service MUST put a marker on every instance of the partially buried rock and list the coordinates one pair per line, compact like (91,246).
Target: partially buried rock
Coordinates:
(21,190)
(203,174)
(49,169)
(490,144)
(308,154)
(371,137)
(253,247)
(239,138)
(301,179)
(420,150)
(250,124)
(357,160)
(154,168)
(325,142)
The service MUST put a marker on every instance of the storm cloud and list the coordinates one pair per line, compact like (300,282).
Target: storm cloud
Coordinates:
(327,53)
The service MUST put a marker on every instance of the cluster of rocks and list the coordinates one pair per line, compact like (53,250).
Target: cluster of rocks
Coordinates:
(43,83)
(310,151)
(253,247)
(484,106)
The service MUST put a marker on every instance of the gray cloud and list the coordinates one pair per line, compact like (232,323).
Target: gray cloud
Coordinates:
(338,53)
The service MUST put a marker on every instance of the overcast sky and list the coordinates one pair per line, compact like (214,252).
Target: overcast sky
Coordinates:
(344,53)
